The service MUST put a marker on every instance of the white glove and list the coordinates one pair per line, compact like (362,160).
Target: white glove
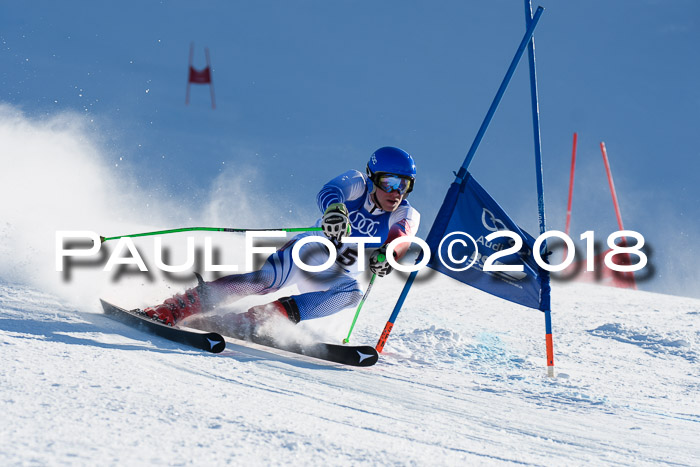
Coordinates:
(378,263)
(335,222)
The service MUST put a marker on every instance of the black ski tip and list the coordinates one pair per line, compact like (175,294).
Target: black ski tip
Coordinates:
(216,342)
(208,341)
(366,355)
(107,307)
(354,355)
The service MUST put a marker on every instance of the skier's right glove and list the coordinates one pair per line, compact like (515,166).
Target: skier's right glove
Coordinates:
(335,223)
(378,263)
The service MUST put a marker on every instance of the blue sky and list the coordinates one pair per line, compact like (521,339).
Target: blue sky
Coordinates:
(308,89)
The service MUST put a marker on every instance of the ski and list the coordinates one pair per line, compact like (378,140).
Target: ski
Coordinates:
(209,341)
(353,355)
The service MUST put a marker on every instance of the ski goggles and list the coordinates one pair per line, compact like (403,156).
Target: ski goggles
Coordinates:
(390,182)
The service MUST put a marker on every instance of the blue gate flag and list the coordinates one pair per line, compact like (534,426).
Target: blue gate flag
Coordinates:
(469,208)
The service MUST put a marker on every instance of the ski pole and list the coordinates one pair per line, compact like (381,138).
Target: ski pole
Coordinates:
(359,307)
(212,229)
(381,258)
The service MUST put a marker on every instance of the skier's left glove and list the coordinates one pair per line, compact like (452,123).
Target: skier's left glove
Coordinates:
(378,263)
(335,222)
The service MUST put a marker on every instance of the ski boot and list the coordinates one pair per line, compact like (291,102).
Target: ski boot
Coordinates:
(181,306)
(247,324)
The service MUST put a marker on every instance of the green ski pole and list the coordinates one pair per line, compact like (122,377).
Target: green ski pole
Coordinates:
(359,307)
(364,297)
(212,229)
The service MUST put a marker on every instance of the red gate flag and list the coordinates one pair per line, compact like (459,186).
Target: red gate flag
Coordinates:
(200,76)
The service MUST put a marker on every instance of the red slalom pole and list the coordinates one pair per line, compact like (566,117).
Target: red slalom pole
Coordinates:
(189,79)
(211,82)
(571,185)
(628,275)
(612,185)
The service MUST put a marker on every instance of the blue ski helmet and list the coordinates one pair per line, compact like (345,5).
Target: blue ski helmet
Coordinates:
(391,160)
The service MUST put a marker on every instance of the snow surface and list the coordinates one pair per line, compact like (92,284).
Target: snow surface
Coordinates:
(462,379)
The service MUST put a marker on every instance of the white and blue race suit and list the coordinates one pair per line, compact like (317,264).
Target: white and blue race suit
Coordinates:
(330,291)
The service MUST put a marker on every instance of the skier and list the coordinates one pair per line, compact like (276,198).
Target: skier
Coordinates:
(371,205)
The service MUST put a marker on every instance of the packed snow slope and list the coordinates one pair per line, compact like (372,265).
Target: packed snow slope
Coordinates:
(462,380)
